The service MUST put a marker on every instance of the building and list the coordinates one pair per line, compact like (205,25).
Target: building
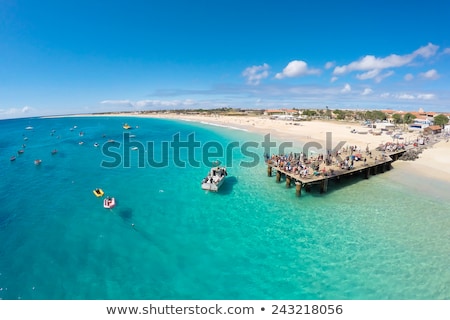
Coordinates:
(432,130)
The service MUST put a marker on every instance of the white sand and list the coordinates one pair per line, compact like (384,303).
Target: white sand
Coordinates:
(433,163)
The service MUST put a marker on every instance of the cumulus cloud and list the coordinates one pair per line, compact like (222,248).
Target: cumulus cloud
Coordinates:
(296,68)
(408,77)
(347,88)
(330,65)
(447,51)
(373,65)
(333,79)
(430,74)
(255,74)
(367,91)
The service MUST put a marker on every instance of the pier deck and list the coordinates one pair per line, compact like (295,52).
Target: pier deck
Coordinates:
(378,162)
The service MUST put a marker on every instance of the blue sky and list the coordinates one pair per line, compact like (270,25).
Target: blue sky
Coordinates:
(59,57)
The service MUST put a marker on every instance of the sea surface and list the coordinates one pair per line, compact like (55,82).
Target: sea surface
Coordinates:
(387,237)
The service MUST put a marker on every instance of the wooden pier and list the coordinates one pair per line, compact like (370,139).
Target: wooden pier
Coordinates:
(379,162)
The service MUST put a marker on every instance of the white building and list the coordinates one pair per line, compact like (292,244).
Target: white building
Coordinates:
(420,124)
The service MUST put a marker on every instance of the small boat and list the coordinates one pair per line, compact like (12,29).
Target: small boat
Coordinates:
(81,133)
(25,138)
(29,128)
(109,203)
(20,151)
(12,158)
(214,179)
(126,126)
(98,192)
(54,151)
(96,144)
(80,143)
(37,162)
(134,148)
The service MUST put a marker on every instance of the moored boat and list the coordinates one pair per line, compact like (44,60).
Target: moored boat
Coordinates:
(215,178)
(37,162)
(126,126)
(98,192)
(109,203)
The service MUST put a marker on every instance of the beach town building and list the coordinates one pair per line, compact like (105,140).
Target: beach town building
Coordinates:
(420,124)
(432,130)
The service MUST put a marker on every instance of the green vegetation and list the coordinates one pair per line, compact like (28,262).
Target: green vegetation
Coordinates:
(397,118)
(408,118)
(441,120)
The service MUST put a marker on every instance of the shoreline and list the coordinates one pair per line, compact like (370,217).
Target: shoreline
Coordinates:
(432,162)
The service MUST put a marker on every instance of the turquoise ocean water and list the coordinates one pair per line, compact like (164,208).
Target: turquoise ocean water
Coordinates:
(383,238)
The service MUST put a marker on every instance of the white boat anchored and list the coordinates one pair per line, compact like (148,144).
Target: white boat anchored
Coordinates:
(214,179)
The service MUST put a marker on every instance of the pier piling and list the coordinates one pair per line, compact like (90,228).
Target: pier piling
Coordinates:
(278,179)
(298,188)
(288,181)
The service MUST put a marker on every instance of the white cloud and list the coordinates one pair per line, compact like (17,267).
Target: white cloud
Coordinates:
(17,112)
(149,104)
(405,96)
(368,75)
(370,62)
(333,79)
(255,74)
(408,77)
(409,96)
(430,74)
(367,91)
(426,96)
(385,75)
(330,65)
(296,68)
(347,88)
(447,51)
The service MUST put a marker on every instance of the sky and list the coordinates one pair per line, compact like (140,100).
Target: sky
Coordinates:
(64,57)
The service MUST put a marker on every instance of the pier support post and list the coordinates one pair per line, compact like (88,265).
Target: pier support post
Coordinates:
(288,181)
(388,166)
(374,169)
(269,171)
(324,186)
(298,188)
(382,167)
(367,173)
(278,176)
(307,187)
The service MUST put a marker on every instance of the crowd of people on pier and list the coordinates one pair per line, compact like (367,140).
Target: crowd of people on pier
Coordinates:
(322,164)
